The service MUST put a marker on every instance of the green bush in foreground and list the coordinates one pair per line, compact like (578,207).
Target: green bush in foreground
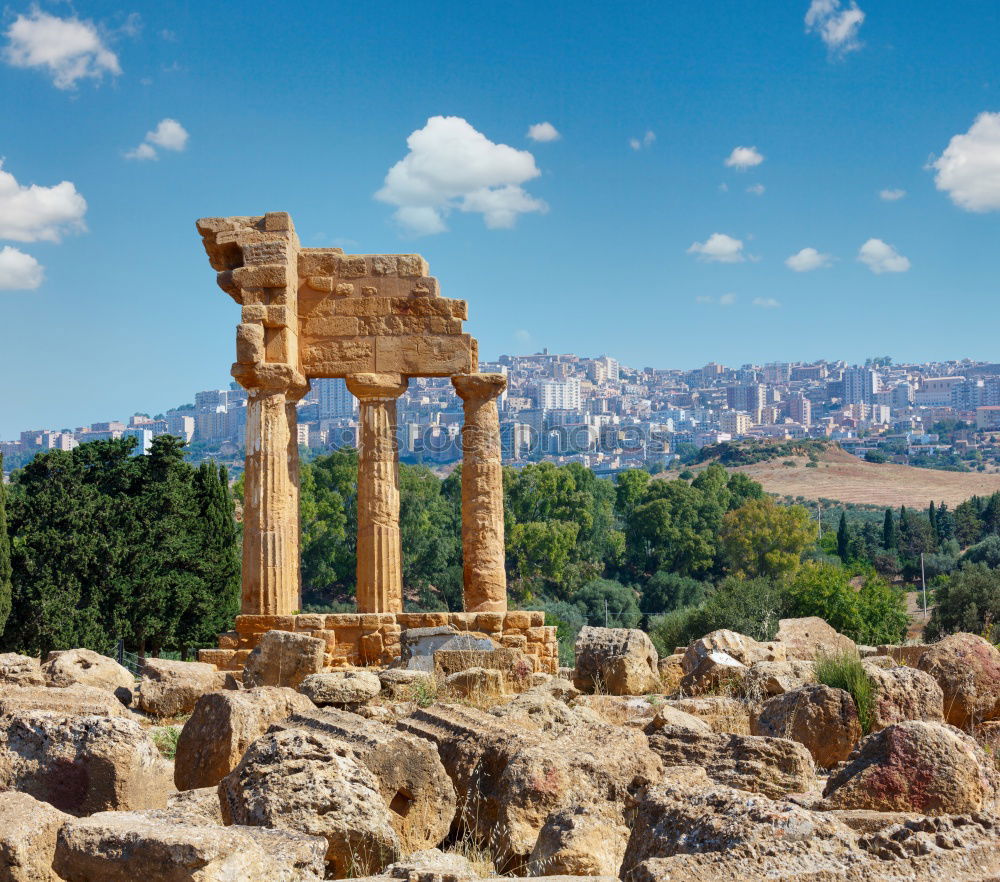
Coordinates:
(845,671)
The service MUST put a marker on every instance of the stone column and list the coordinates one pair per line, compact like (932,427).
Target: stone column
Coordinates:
(380,556)
(484,573)
(271,580)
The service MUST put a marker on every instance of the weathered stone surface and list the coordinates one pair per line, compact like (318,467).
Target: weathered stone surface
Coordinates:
(28,831)
(772,766)
(172,688)
(721,659)
(88,668)
(671,671)
(222,727)
(579,841)
(619,661)
(967,668)
(767,679)
(914,766)
(432,865)
(515,666)
(283,658)
(20,670)
(304,781)
(723,714)
(412,781)
(824,719)
(82,764)
(557,687)
(402,684)
(541,712)
(508,779)
(668,717)
(478,683)
(341,687)
(199,805)
(903,693)
(77,699)
(620,710)
(808,637)
(134,846)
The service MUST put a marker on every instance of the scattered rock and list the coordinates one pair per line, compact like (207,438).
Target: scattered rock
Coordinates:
(20,670)
(69,666)
(824,719)
(432,865)
(402,684)
(722,659)
(537,712)
(172,688)
(618,661)
(967,668)
(620,710)
(671,671)
(907,654)
(283,658)
(914,766)
(222,727)
(767,679)
(668,717)
(77,699)
(902,693)
(579,841)
(808,637)
(723,714)
(304,781)
(341,688)
(476,683)
(201,804)
(558,687)
(82,764)
(28,831)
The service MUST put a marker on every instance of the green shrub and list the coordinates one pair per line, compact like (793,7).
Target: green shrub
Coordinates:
(845,671)
(165,739)
(677,628)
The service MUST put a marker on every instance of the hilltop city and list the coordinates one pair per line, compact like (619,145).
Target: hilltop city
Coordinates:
(607,416)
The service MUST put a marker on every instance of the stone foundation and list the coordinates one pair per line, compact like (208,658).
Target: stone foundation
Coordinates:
(358,639)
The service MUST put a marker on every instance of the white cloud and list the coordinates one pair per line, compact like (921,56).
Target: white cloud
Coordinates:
(969,169)
(727,299)
(724,300)
(69,48)
(891,195)
(19,271)
(643,142)
(543,131)
(743,158)
(522,335)
(808,259)
(756,189)
(452,166)
(837,26)
(766,302)
(168,134)
(33,213)
(719,248)
(881,257)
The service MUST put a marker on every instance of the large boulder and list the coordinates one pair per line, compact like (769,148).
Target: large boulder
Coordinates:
(303,781)
(967,668)
(811,636)
(579,841)
(902,693)
(82,764)
(222,727)
(172,688)
(668,717)
(721,659)
(772,766)
(509,778)
(69,666)
(138,846)
(619,661)
(74,700)
(822,718)
(484,685)
(341,688)
(402,684)
(764,680)
(927,768)
(283,658)
(28,831)
(20,670)
(412,781)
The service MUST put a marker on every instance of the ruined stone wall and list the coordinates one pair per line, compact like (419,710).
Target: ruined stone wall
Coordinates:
(373,638)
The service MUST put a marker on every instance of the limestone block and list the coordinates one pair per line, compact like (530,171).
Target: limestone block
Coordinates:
(805,638)
(273,275)
(967,668)
(20,670)
(171,688)
(427,355)
(88,668)
(620,661)
(338,357)
(341,687)
(28,830)
(283,658)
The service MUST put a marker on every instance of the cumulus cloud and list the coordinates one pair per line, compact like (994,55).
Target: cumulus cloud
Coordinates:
(719,248)
(969,169)
(724,300)
(756,189)
(881,257)
(743,158)
(543,131)
(643,142)
(33,213)
(19,271)
(766,302)
(168,134)
(808,259)
(891,195)
(70,49)
(837,25)
(452,166)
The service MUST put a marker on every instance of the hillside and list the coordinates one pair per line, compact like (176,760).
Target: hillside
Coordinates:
(846,478)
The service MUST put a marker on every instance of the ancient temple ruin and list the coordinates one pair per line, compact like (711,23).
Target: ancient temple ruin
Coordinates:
(375,320)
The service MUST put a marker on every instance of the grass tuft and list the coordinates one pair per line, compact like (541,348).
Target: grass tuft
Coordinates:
(845,671)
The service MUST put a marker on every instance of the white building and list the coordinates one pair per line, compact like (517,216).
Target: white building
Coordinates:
(559,394)
(334,399)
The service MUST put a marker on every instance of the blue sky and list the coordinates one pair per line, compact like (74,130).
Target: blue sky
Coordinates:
(648,247)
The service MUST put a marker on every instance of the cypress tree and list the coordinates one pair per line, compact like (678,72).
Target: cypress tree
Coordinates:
(932,517)
(5,568)
(843,539)
(889,538)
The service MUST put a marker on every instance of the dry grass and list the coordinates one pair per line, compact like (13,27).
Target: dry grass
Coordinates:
(846,478)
